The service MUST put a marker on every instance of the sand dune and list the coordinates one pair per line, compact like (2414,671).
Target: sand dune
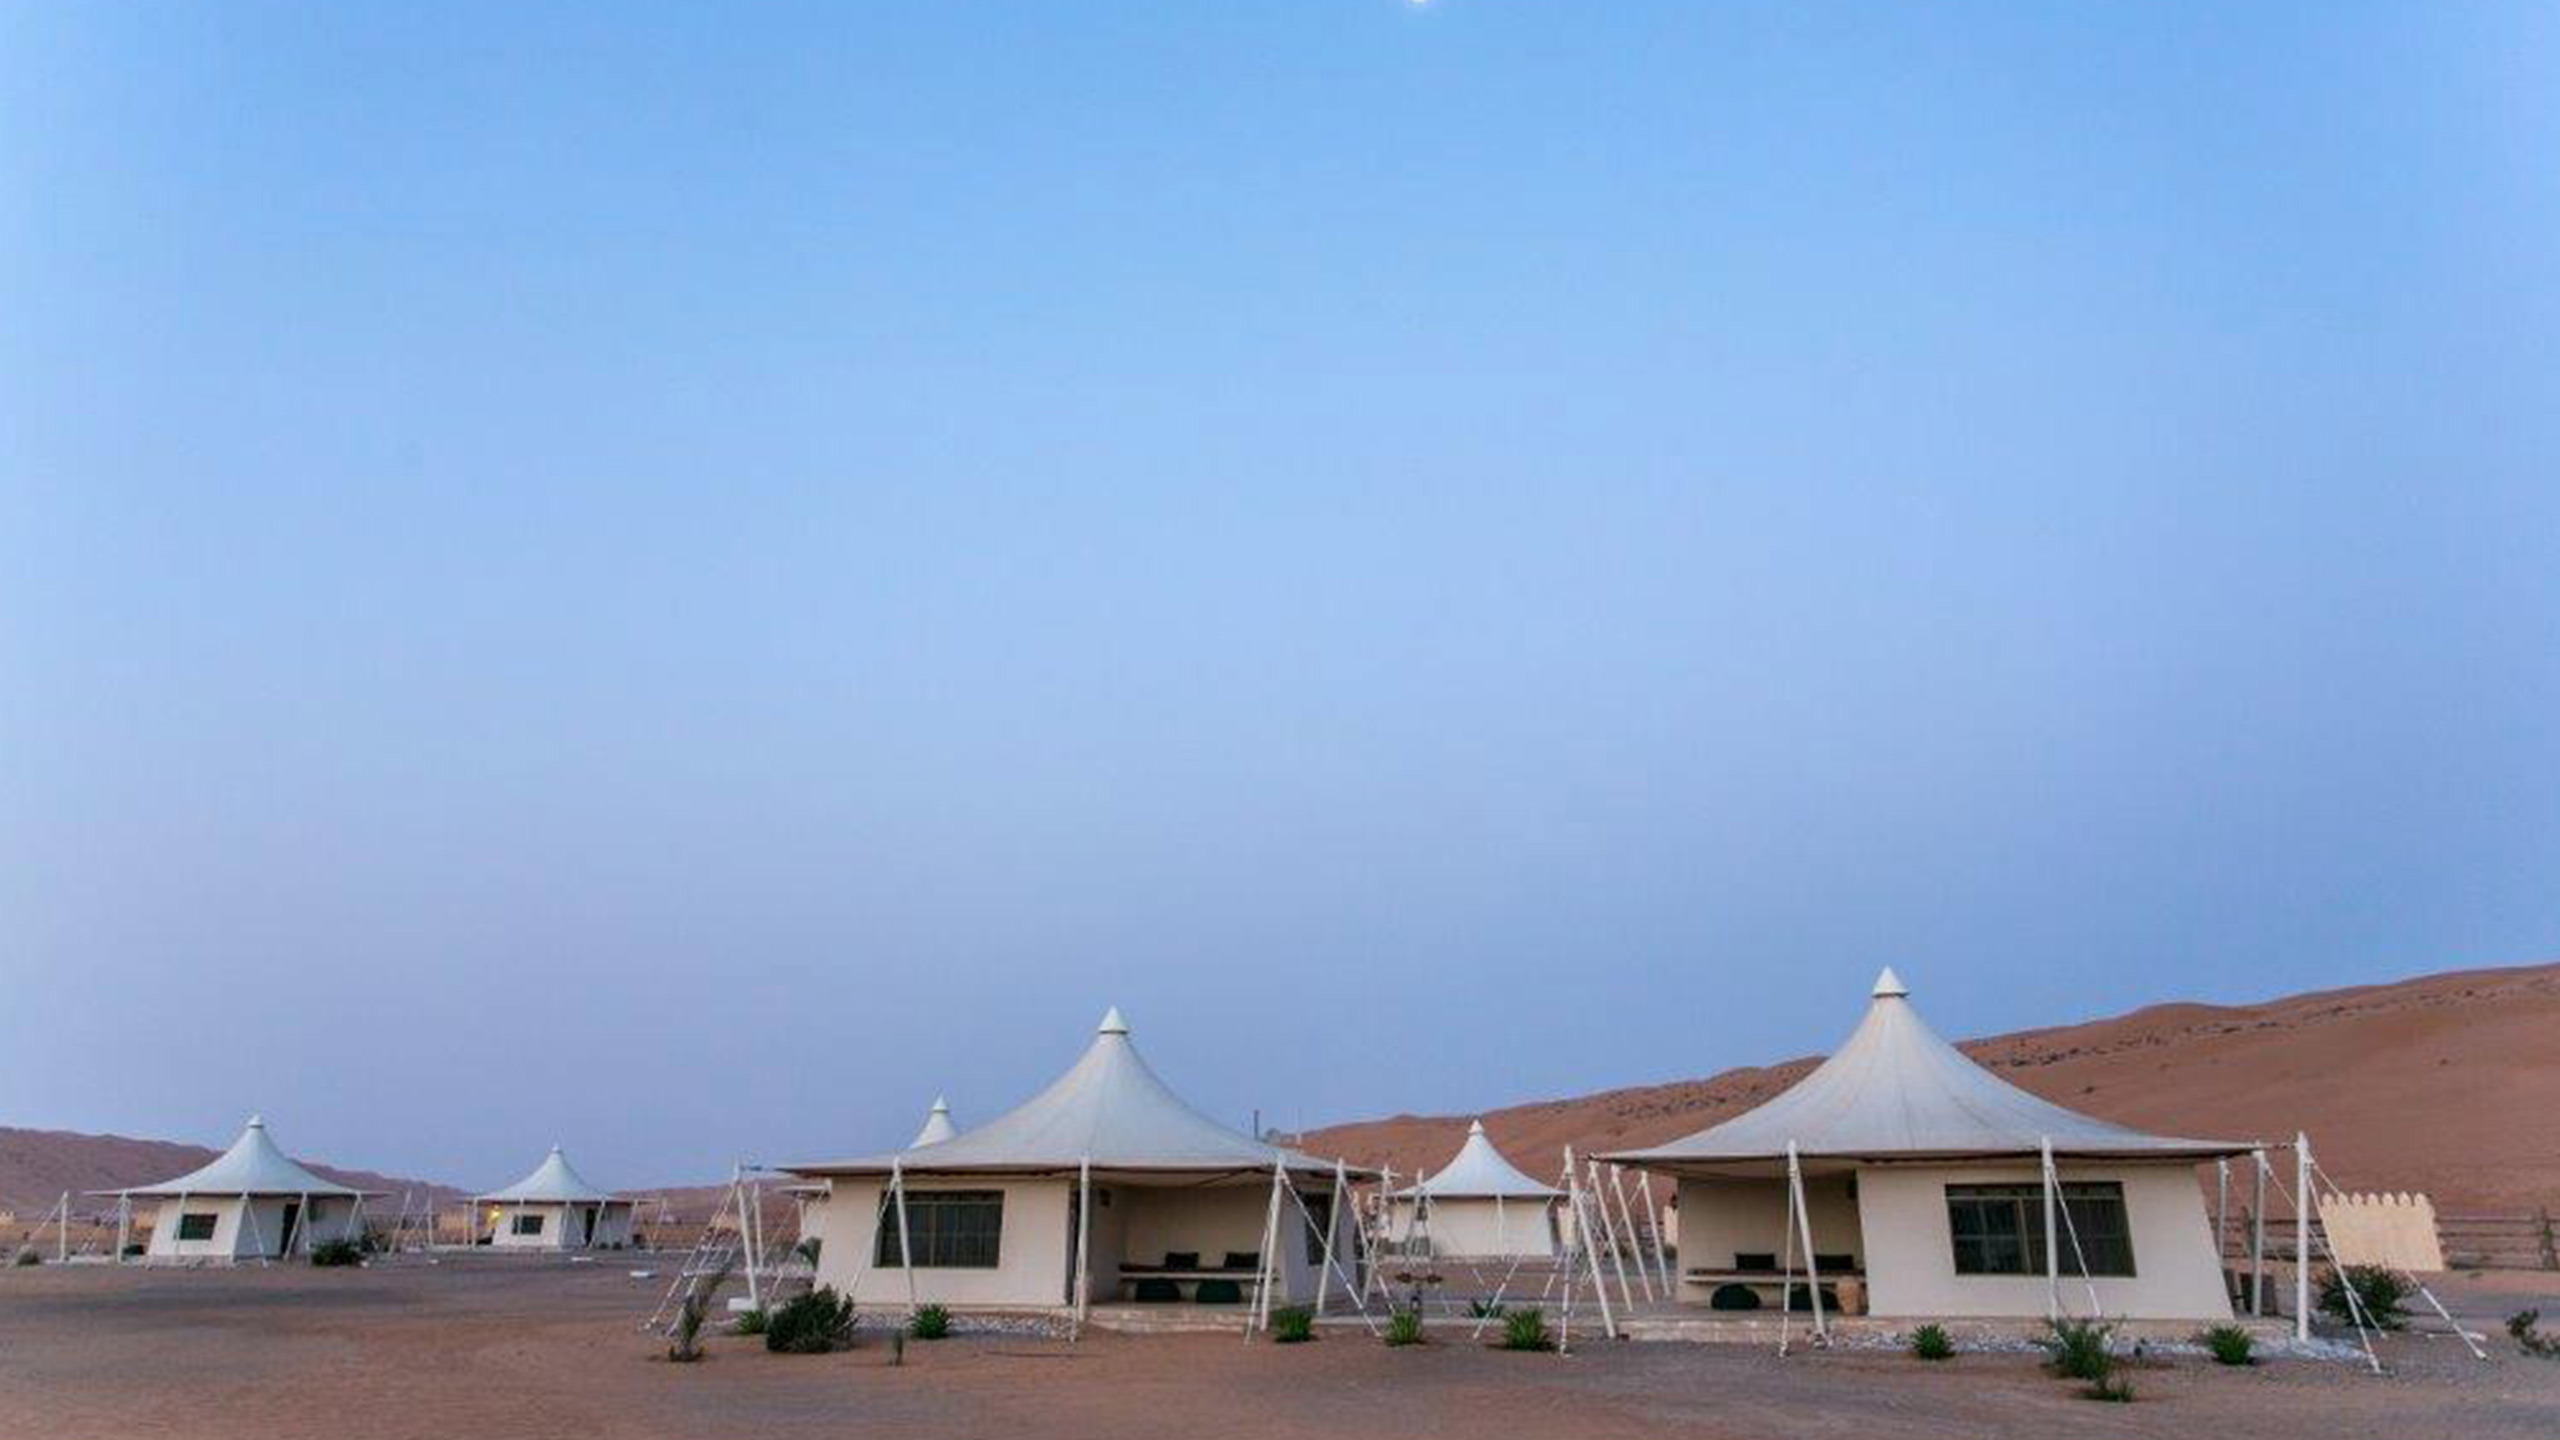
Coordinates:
(2448,1084)
(36,1166)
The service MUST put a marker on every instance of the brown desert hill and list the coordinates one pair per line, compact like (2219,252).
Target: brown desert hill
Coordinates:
(2447,1084)
(36,1166)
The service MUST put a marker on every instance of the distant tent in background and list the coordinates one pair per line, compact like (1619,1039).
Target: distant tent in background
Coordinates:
(1915,1180)
(554,1208)
(1478,1206)
(937,1125)
(252,1203)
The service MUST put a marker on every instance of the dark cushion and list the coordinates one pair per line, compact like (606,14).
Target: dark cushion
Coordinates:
(1800,1300)
(1153,1291)
(1734,1297)
(1244,1260)
(1837,1264)
(1755,1260)
(1182,1259)
(1220,1292)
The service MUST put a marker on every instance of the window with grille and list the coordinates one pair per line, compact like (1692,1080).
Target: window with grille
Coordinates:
(196,1225)
(529,1224)
(1999,1229)
(946,1230)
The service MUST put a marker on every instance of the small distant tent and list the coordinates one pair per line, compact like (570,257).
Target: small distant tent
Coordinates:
(554,1208)
(1105,1186)
(937,1125)
(1918,1182)
(1477,1207)
(252,1202)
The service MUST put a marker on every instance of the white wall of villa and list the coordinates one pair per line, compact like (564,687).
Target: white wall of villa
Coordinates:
(246,1227)
(1480,1227)
(1911,1265)
(556,1225)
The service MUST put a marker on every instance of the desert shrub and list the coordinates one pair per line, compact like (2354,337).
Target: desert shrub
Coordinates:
(1485,1309)
(1293,1325)
(897,1347)
(2078,1349)
(749,1322)
(1930,1342)
(932,1322)
(343,1250)
(26,1256)
(808,1250)
(2378,1291)
(2529,1339)
(133,1248)
(811,1323)
(1526,1330)
(2230,1345)
(684,1337)
(1404,1327)
(2116,1388)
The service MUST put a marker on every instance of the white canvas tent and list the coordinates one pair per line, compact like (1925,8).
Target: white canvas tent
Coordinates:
(253,1202)
(1105,1186)
(553,1208)
(1477,1207)
(1902,1174)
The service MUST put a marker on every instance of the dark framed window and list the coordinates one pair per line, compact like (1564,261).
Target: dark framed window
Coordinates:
(529,1224)
(196,1225)
(1319,1224)
(946,1230)
(1999,1229)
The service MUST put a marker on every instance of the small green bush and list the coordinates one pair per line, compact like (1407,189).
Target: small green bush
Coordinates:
(344,1250)
(26,1256)
(1485,1309)
(1930,1342)
(1293,1325)
(1526,1330)
(2230,1345)
(932,1322)
(2378,1292)
(2521,1325)
(811,1323)
(2115,1389)
(684,1338)
(1404,1327)
(133,1248)
(808,1249)
(749,1322)
(2079,1349)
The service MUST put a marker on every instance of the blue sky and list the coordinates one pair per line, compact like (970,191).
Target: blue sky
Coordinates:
(680,581)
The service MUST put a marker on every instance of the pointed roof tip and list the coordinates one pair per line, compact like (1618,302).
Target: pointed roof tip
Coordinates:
(1889,985)
(940,1106)
(1475,1127)
(256,1122)
(1112,1024)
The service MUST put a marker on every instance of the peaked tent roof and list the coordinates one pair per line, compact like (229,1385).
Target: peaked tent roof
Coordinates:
(252,1166)
(554,1181)
(1479,1171)
(937,1125)
(1895,1089)
(1108,1108)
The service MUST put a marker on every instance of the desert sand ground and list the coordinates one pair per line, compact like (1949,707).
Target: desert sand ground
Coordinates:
(493,1348)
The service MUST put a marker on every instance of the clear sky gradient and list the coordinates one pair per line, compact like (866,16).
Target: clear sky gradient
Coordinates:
(680,579)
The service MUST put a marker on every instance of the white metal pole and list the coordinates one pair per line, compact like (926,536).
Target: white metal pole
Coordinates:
(1332,1218)
(2052,1251)
(2258,1235)
(62,1232)
(1609,1232)
(2222,1219)
(906,1253)
(1258,1316)
(1618,1192)
(2302,1237)
(124,1225)
(1084,1244)
(1812,1267)
(1584,1231)
(1653,1217)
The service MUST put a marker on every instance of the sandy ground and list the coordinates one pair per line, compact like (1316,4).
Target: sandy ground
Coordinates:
(483,1348)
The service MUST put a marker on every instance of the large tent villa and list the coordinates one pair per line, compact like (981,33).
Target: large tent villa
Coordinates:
(554,1208)
(1479,1206)
(252,1202)
(1106,1188)
(1915,1183)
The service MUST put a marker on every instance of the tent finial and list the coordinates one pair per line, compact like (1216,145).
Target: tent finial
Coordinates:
(1112,1024)
(1890,984)
(1475,1127)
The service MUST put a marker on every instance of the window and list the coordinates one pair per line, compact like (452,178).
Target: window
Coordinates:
(196,1225)
(946,1230)
(528,1224)
(1319,1224)
(1999,1229)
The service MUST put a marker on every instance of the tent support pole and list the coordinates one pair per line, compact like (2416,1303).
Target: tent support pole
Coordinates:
(1332,1218)
(1812,1267)
(2258,1235)
(906,1253)
(124,1225)
(1084,1246)
(1635,1245)
(2302,1238)
(1259,1316)
(2222,1214)
(1586,1234)
(2052,1252)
